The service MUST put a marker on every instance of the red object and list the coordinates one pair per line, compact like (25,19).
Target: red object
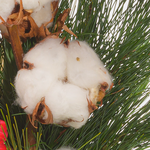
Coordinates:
(2,146)
(2,136)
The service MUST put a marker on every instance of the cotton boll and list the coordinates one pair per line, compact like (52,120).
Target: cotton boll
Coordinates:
(49,55)
(6,7)
(42,12)
(43,15)
(84,68)
(31,86)
(68,102)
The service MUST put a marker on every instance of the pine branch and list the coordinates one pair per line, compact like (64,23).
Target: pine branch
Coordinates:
(122,43)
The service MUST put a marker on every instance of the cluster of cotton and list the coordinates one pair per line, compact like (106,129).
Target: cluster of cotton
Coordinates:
(42,12)
(65,77)
(39,9)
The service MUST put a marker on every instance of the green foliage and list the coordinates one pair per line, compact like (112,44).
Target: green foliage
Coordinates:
(15,140)
(122,43)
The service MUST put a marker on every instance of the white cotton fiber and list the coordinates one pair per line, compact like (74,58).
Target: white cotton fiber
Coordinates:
(66,77)
(49,55)
(31,86)
(84,67)
(67,101)
(42,16)
(42,12)
(6,7)
(34,4)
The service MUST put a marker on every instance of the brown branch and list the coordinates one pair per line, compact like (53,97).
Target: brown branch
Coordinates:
(16,45)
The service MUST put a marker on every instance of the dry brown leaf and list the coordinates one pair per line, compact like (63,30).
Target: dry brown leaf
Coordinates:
(42,32)
(64,122)
(111,86)
(28,65)
(101,95)
(104,86)
(66,43)
(61,19)
(30,11)
(39,112)
(65,15)
(33,28)
(3,21)
(78,42)
(68,30)
(54,8)
(60,22)
(118,91)
(91,106)
(13,16)
(62,40)
(60,134)
(24,107)
(20,15)
(102,91)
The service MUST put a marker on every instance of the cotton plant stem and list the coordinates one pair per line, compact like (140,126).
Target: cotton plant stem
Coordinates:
(31,131)
(18,54)
(16,45)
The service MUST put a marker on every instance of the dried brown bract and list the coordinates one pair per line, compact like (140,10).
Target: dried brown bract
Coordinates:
(28,65)
(91,106)
(39,112)
(60,23)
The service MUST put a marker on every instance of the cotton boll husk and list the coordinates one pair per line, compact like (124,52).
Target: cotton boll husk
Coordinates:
(3,29)
(31,86)
(49,55)
(43,15)
(67,101)
(6,7)
(42,12)
(84,67)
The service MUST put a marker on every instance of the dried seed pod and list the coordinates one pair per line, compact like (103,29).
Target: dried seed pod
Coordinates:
(41,10)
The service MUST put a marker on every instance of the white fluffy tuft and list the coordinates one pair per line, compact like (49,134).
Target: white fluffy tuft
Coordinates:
(49,55)
(6,7)
(67,101)
(42,12)
(84,68)
(43,15)
(31,86)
